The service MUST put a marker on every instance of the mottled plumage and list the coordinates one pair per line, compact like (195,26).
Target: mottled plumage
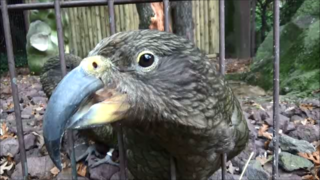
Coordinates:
(179,107)
(51,71)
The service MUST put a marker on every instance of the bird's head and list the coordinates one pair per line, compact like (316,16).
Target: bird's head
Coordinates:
(137,77)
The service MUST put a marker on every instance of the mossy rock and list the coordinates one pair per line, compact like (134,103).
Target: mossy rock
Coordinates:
(299,57)
(41,43)
(42,40)
(309,7)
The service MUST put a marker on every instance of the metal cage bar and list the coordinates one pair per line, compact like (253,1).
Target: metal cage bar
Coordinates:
(221,36)
(276,62)
(121,152)
(14,86)
(119,128)
(111,17)
(166,10)
(57,5)
(78,3)
(222,69)
(69,133)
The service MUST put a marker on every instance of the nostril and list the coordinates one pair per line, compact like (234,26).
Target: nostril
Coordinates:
(95,65)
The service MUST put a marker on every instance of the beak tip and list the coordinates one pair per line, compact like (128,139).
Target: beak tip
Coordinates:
(58,165)
(53,148)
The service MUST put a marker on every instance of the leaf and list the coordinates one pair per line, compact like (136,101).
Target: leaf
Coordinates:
(254,104)
(314,157)
(306,106)
(40,140)
(230,167)
(55,171)
(305,121)
(10,159)
(258,106)
(81,169)
(308,177)
(311,121)
(3,160)
(4,178)
(262,132)
(4,132)
(289,109)
(263,159)
(266,144)
(10,106)
(4,167)
(316,171)
(4,129)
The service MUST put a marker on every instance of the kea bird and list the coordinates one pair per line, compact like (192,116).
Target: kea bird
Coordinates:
(169,98)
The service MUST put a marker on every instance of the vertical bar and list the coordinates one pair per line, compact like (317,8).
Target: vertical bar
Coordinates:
(15,93)
(222,37)
(166,9)
(173,169)
(72,156)
(222,68)
(276,48)
(253,26)
(121,153)
(111,16)
(26,18)
(60,36)
(64,72)
(223,166)
(166,15)
(119,132)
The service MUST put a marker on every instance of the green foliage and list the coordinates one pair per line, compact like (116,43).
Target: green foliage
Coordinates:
(259,12)
(20,61)
(288,9)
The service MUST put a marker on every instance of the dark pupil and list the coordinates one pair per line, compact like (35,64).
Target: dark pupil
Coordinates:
(146,60)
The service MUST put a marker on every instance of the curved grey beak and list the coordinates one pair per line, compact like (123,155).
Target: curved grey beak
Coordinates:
(74,88)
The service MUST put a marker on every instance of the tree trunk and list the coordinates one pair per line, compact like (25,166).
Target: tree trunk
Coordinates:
(145,14)
(151,16)
(263,23)
(253,27)
(182,19)
(242,25)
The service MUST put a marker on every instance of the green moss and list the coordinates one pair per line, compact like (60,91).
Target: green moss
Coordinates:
(299,59)
(309,7)
(300,81)
(20,61)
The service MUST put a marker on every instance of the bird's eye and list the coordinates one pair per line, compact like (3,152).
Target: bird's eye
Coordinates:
(146,59)
(95,65)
